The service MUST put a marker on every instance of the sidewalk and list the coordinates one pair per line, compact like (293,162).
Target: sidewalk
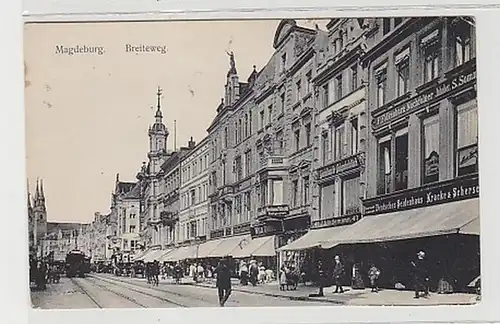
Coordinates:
(362,297)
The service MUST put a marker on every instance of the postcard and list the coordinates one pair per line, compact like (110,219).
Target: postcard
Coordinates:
(252,163)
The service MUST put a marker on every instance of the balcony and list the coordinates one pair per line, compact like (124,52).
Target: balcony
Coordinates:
(273,211)
(345,164)
(274,162)
(169,218)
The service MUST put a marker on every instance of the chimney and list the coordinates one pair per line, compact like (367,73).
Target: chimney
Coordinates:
(191,143)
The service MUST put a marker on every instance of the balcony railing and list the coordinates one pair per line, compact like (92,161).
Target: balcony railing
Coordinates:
(273,211)
(274,162)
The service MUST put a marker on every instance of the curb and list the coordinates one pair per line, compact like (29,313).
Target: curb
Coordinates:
(297,298)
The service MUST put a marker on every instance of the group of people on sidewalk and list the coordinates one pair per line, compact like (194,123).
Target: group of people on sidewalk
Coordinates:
(254,272)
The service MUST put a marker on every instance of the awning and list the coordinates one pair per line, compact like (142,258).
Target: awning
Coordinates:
(207,247)
(154,255)
(314,238)
(259,247)
(181,253)
(451,218)
(145,253)
(140,255)
(229,246)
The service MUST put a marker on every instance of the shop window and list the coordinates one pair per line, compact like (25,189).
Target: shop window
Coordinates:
(354,136)
(385,166)
(402,63)
(327,206)
(431,50)
(401,162)
(326,147)
(350,195)
(381,80)
(339,142)
(430,150)
(467,138)
(463,48)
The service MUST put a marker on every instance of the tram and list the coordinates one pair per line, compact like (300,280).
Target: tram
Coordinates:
(76,264)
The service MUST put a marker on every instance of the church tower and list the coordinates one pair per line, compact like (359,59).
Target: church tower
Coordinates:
(158,135)
(232,83)
(39,212)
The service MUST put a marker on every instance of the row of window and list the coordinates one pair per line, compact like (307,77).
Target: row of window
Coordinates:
(195,167)
(394,154)
(340,140)
(336,89)
(340,198)
(194,228)
(432,63)
(194,196)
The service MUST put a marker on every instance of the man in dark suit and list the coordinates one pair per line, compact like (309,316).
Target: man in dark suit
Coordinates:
(338,272)
(223,282)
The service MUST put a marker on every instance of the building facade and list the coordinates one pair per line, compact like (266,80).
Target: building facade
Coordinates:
(341,125)
(423,138)
(193,191)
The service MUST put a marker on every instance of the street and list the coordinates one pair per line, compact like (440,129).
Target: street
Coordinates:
(104,291)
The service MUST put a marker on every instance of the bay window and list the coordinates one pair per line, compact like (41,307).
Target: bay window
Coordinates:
(467,138)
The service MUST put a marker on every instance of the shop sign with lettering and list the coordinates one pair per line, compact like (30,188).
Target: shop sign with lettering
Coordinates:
(436,93)
(443,192)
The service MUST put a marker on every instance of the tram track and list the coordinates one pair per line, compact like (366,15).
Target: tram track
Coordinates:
(85,292)
(120,283)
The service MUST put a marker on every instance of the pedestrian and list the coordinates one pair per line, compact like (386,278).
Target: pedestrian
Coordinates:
(321,278)
(283,277)
(262,274)
(338,272)
(243,273)
(177,272)
(192,271)
(357,279)
(373,275)
(223,281)
(420,275)
(156,273)
(253,271)
(201,272)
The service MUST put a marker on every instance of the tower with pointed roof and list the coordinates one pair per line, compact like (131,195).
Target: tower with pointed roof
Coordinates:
(158,135)
(39,212)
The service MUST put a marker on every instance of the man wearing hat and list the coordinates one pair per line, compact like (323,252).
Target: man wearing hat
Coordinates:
(420,275)
(223,282)
(338,272)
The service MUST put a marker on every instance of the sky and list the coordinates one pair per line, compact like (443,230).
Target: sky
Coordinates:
(87,115)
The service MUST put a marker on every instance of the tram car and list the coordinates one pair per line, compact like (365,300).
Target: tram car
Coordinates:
(75,264)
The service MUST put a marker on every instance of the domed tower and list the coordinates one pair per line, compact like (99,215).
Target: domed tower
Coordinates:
(158,135)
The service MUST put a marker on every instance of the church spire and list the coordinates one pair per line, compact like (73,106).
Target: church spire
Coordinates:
(42,194)
(37,191)
(29,194)
(158,114)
